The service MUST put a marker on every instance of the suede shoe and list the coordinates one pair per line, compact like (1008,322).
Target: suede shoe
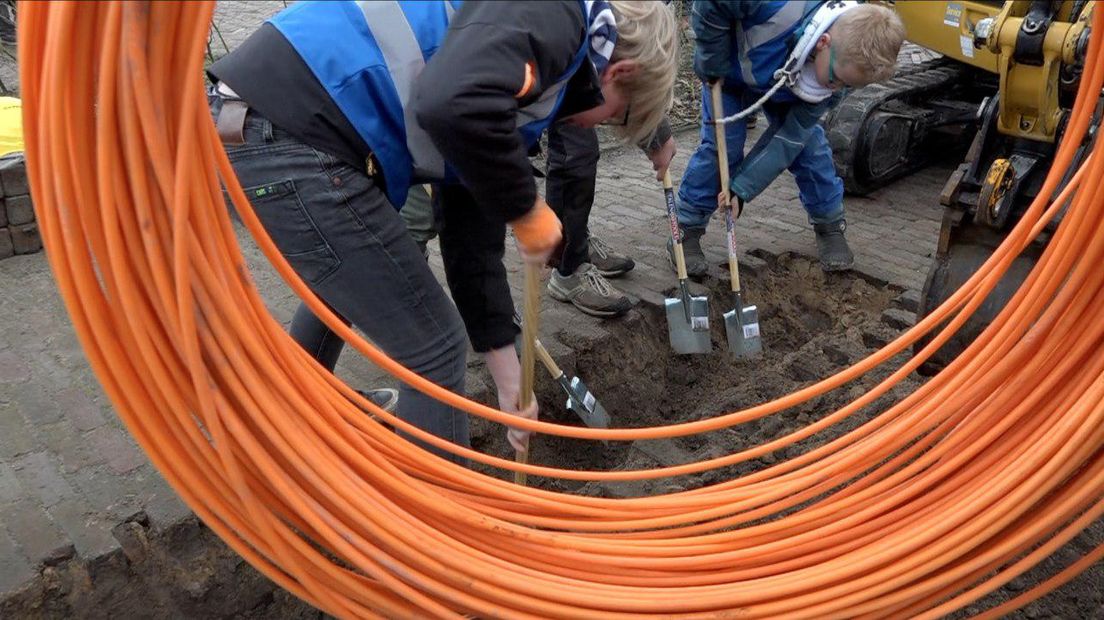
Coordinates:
(696,265)
(608,263)
(588,291)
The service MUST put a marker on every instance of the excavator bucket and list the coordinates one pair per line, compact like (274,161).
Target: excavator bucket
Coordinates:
(969,247)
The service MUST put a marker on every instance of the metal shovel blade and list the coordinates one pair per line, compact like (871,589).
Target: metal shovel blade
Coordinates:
(742,327)
(585,405)
(688,336)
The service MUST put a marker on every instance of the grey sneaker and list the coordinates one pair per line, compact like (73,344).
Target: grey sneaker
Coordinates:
(588,291)
(606,261)
(832,247)
(384,398)
(696,265)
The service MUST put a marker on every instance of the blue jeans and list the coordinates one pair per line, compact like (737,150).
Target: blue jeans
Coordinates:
(820,188)
(335,226)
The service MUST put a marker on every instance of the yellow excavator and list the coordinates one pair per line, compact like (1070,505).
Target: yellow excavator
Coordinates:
(1004,84)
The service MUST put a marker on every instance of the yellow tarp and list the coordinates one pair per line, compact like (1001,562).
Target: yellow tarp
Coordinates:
(11,125)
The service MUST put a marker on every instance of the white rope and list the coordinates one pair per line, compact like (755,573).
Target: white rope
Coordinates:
(784,77)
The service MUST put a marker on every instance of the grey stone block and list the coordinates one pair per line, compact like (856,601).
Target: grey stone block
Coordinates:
(909,300)
(6,247)
(89,532)
(15,568)
(25,239)
(38,406)
(39,475)
(665,451)
(836,355)
(899,319)
(122,455)
(10,490)
(79,407)
(33,530)
(873,340)
(13,369)
(162,504)
(113,497)
(19,210)
(15,436)
(13,174)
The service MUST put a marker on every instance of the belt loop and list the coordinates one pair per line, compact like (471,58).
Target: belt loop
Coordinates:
(268,134)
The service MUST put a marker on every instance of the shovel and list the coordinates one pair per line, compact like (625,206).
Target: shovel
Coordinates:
(687,316)
(742,322)
(579,398)
(528,346)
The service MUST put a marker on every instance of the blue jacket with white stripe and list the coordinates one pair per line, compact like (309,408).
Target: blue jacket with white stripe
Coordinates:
(368,56)
(349,86)
(745,42)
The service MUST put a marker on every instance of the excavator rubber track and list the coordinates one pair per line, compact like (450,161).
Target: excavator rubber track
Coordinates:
(884,131)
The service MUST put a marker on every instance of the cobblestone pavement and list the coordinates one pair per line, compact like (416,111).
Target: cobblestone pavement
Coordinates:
(69,472)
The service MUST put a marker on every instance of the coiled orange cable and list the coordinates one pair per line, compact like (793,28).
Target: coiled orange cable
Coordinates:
(945,496)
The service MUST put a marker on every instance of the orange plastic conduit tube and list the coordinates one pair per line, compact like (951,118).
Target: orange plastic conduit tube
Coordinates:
(945,496)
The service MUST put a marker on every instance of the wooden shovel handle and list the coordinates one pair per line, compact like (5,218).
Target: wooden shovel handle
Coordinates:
(529,325)
(723,197)
(672,217)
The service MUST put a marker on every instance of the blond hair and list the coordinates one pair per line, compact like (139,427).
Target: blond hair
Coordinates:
(647,33)
(869,37)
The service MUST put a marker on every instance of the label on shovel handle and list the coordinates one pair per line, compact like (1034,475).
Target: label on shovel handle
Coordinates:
(672,214)
(699,323)
(588,400)
(751,330)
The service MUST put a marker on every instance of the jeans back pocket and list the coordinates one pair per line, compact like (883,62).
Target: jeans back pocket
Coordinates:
(291,227)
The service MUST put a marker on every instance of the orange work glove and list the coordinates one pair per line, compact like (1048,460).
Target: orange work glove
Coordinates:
(538,232)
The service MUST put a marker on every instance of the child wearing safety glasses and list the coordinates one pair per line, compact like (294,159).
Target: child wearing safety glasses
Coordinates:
(792,59)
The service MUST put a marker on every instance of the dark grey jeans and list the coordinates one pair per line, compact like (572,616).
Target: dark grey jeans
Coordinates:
(337,229)
(572,170)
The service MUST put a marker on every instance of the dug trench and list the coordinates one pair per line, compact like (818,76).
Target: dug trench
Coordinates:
(813,325)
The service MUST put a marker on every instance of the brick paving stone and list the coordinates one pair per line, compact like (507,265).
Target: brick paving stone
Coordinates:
(37,406)
(909,300)
(161,503)
(122,454)
(27,523)
(13,175)
(898,319)
(40,476)
(15,568)
(13,369)
(25,238)
(10,489)
(79,407)
(15,435)
(87,528)
(19,210)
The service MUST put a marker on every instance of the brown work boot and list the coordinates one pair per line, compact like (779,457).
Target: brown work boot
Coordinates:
(588,291)
(608,263)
